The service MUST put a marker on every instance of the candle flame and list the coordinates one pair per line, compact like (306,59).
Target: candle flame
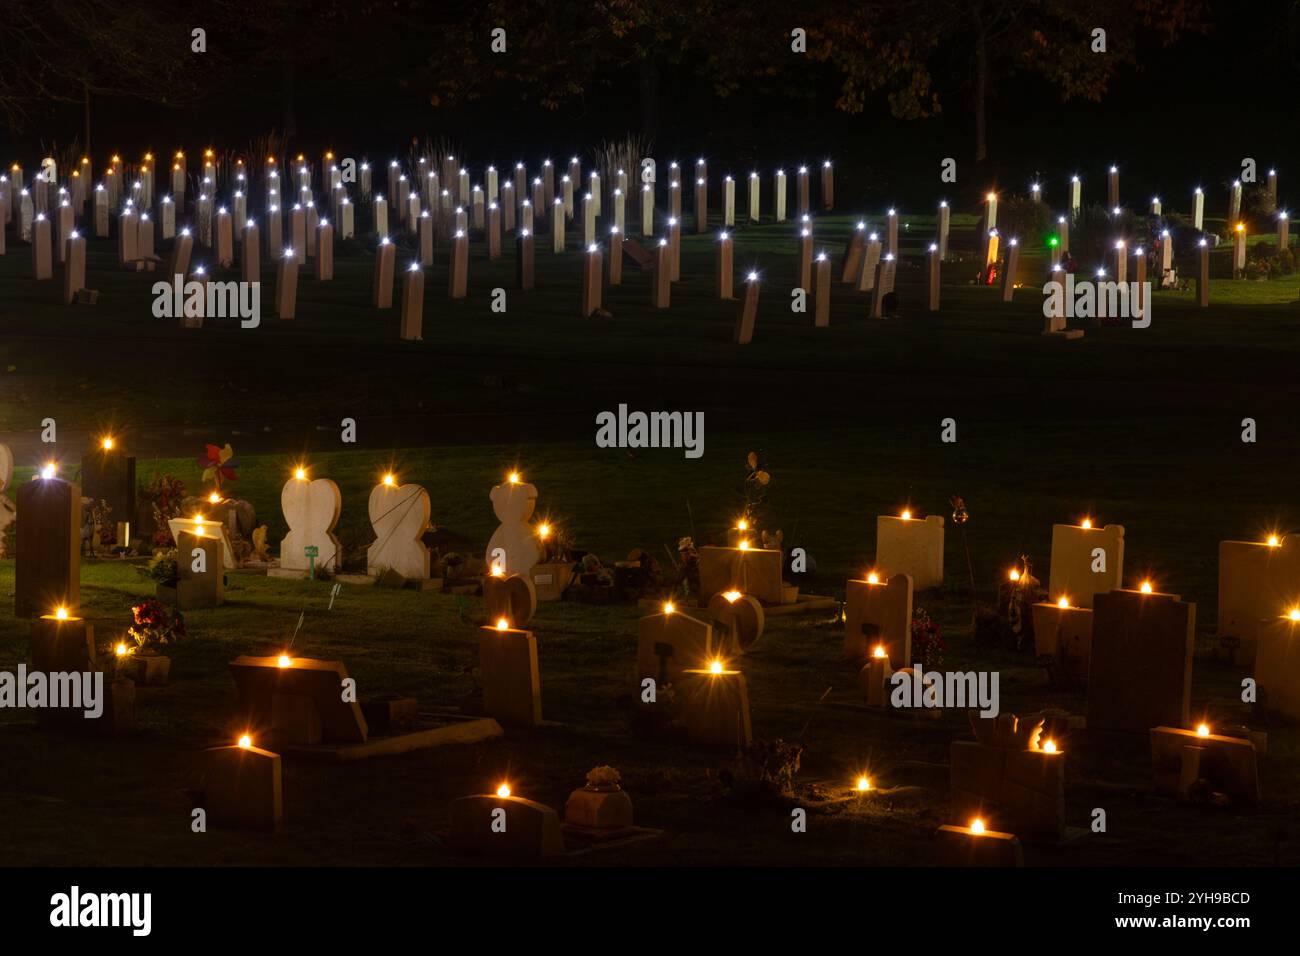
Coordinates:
(503,624)
(906,515)
(120,650)
(245,741)
(1146,587)
(873,578)
(715,666)
(284,660)
(60,613)
(977,825)
(513,478)
(1203,730)
(1050,747)
(879,652)
(1014,575)
(1295,614)
(107,444)
(389,480)
(668,607)
(503,790)
(544,531)
(1273,541)
(864,784)
(1064,602)
(1085,524)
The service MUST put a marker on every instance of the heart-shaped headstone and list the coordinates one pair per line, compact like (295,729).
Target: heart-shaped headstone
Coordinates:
(399,515)
(6,467)
(311,509)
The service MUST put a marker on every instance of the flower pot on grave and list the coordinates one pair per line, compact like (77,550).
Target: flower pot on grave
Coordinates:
(151,670)
(601,807)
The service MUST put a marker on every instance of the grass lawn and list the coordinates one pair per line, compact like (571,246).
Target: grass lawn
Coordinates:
(1137,427)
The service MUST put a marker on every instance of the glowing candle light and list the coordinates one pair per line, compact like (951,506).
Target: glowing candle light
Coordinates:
(1014,575)
(1202,730)
(245,741)
(300,473)
(389,480)
(543,531)
(503,624)
(873,578)
(120,650)
(1273,541)
(977,825)
(49,470)
(742,525)
(1050,747)
(60,613)
(498,571)
(668,607)
(879,651)
(1086,523)
(107,444)
(1146,587)
(284,660)
(1294,614)
(906,515)
(214,498)
(731,596)
(503,790)
(1064,602)
(715,666)
(513,478)
(864,784)
(743,546)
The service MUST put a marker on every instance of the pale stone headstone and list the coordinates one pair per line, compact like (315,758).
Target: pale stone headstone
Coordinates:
(63,225)
(412,322)
(828,186)
(385,261)
(509,673)
(944,218)
(324,251)
(1112,188)
(592,268)
(647,210)
(274,233)
(286,285)
(891,232)
(1203,275)
(1198,208)
(588,219)
(803,268)
(311,509)
(243,789)
(756,572)
(128,235)
(670,642)
(822,291)
(1064,634)
(47,569)
(754,187)
(42,251)
(662,280)
(399,515)
(747,314)
(1009,273)
(178,261)
(1085,561)
(379,215)
(493,231)
(1234,202)
(1283,230)
(1140,675)
(166,220)
(1076,196)
(911,546)
(779,198)
(620,210)
(524,259)
(933,258)
(201,570)
(74,271)
(725,269)
(509,209)
(675,247)
(615,255)
(883,286)
(1259,583)
(513,546)
(557,226)
(701,206)
(250,253)
(1239,251)
(714,706)
(878,613)
(458,270)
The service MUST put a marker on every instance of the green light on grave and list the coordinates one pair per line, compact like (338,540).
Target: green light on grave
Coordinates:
(1053,241)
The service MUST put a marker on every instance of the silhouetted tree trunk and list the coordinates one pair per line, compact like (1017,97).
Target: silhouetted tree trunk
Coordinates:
(649,69)
(979,91)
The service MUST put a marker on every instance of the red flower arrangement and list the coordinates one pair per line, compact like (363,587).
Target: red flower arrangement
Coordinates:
(927,642)
(155,625)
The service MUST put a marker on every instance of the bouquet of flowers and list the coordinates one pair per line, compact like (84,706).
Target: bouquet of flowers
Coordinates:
(155,625)
(164,496)
(927,643)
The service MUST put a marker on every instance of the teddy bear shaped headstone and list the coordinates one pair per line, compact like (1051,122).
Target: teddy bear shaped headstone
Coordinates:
(7,509)
(311,509)
(513,546)
(399,515)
